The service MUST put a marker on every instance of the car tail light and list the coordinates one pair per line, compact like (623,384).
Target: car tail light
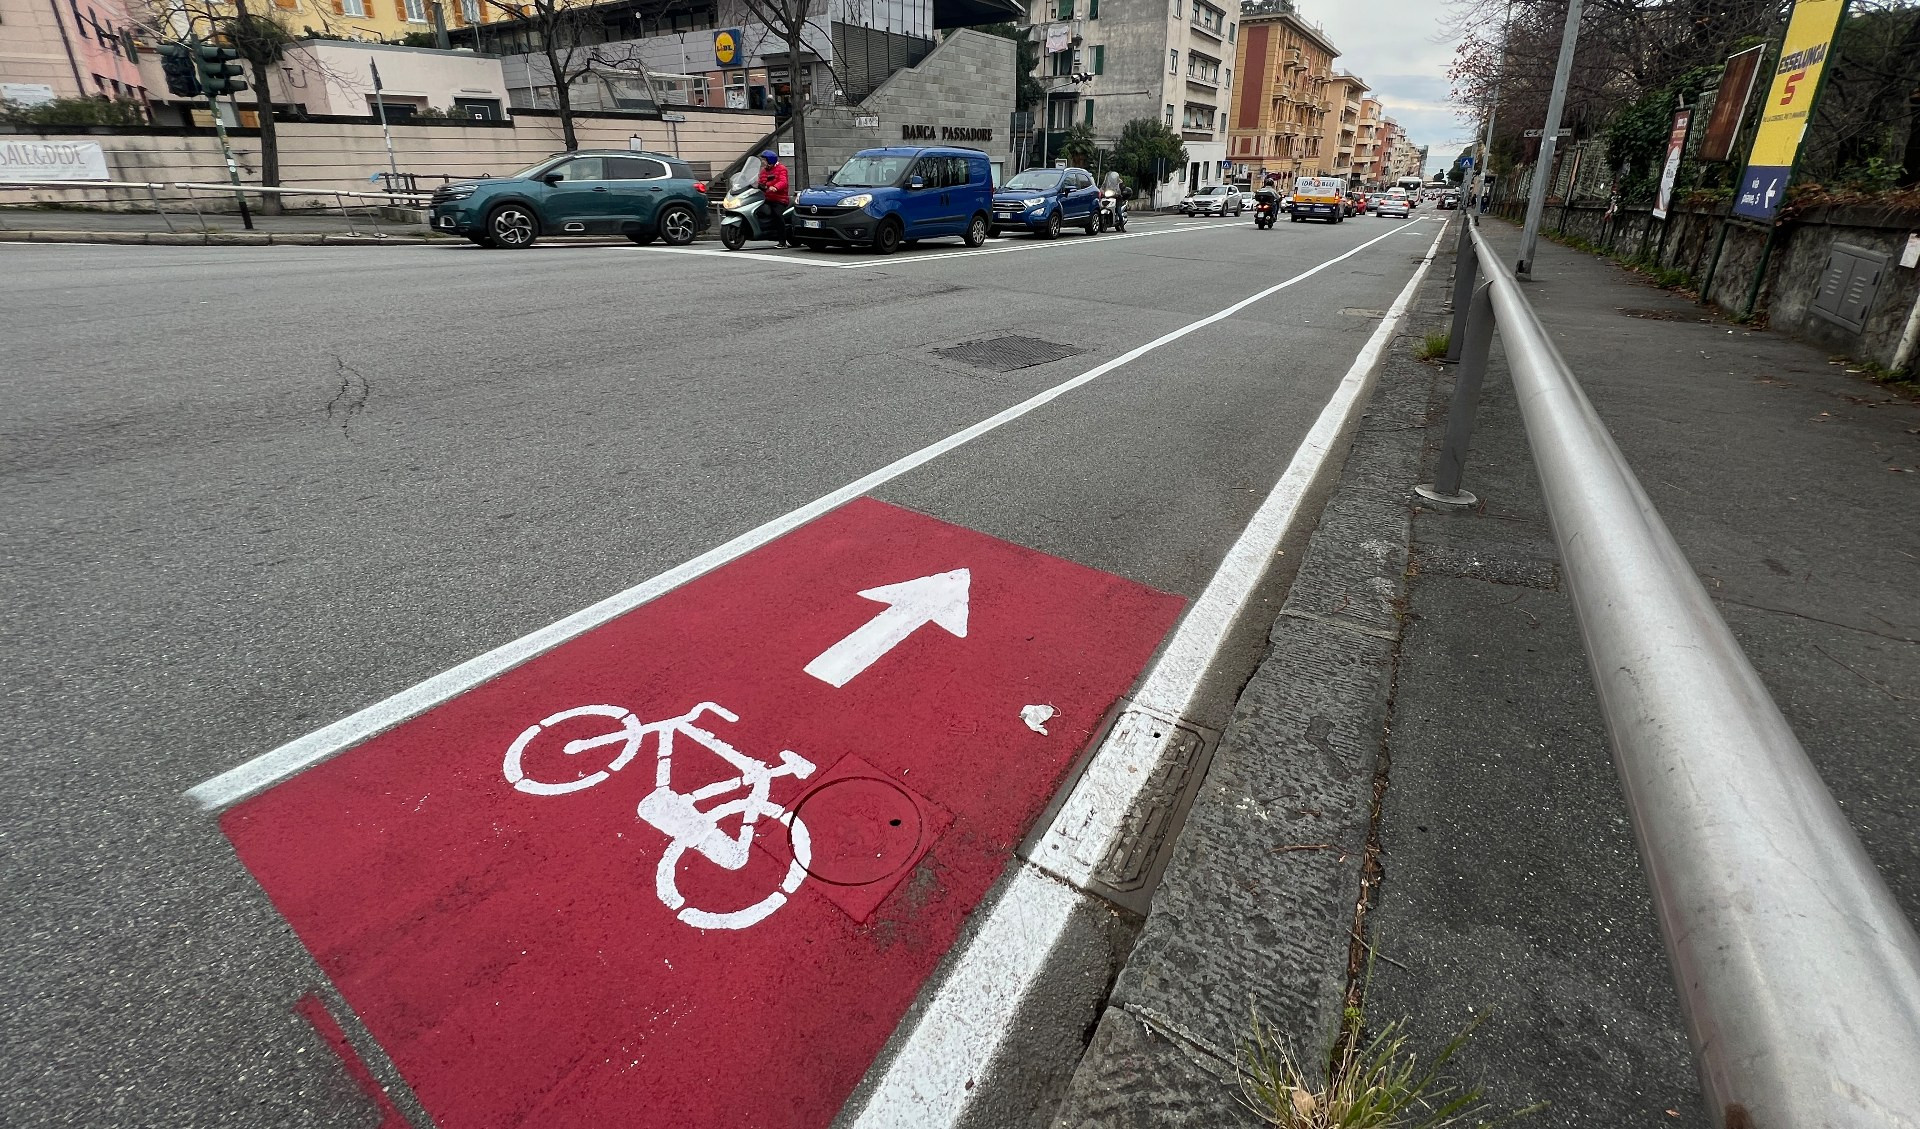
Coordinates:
(700,186)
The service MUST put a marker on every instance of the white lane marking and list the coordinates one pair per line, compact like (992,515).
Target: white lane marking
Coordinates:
(931,1081)
(807,259)
(277,764)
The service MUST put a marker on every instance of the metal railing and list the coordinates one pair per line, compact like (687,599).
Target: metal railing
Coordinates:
(194,195)
(1798,974)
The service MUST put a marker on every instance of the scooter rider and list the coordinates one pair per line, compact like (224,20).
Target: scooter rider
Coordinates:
(773,182)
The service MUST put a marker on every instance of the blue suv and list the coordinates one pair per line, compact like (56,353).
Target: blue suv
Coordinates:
(643,196)
(882,198)
(1043,201)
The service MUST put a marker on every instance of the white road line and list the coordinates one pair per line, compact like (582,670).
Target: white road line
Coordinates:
(931,1080)
(271,767)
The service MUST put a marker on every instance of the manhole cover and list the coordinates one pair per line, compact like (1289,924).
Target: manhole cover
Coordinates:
(1005,354)
(862,830)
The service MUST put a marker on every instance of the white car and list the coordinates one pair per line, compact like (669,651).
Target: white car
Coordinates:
(1215,200)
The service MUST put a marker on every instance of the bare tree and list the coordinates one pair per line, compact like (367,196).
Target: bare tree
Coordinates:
(557,27)
(788,20)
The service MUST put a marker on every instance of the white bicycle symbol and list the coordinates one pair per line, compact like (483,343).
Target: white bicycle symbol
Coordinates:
(676,814)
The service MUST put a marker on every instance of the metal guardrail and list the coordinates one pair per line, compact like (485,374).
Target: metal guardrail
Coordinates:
(190,189)
(1798,973)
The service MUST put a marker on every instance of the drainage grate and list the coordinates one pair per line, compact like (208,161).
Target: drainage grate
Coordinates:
(1005,354)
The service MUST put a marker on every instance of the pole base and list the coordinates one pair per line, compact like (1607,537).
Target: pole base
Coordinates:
(1462,500)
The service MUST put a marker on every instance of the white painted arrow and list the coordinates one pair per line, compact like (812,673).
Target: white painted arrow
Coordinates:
(940,599)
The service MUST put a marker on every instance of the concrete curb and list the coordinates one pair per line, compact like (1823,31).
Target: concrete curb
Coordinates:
(1256,911)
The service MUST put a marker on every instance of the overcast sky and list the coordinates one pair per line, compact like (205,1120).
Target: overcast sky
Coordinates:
(1393,45)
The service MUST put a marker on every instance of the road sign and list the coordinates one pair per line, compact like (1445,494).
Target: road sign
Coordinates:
(1542,133)
(692,866)
(1788,108)
(726,46)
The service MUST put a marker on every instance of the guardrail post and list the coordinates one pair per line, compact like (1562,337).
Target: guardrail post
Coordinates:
(155,197)
(1466,272)
(351,230)
(1476,343)
(195,201)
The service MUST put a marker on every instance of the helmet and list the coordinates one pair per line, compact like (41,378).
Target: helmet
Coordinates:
(769,156)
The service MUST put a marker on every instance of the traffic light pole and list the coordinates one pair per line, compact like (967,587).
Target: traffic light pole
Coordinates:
(226,145)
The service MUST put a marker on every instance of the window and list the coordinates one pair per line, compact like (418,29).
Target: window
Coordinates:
(580,168)
(1173,62)
(1169,114)
(416,11)
(353,8)
(471,10)
(1064,10)
(1231,28)
(1089,111)
(1205,69)
(1093,9)
(635,168)
(79,24)
(1209,19)
(1061,63)
(1100,58)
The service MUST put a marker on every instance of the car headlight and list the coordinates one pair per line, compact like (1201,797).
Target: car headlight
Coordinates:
(859,201)
(1036,205)
(456,194)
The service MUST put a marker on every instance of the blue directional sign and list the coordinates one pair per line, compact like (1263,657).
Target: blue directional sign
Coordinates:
(1762,191)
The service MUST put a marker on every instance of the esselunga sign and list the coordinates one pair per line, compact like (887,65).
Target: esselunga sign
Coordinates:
(27,161)
(944,133)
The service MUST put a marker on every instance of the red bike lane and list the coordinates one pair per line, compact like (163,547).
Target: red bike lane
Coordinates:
(544,923)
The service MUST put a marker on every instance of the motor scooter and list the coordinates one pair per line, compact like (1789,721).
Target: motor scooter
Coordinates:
(746,213)
(1113,210)
(1266,208)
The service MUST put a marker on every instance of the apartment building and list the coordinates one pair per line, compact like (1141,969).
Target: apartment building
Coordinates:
(1171,60)
(1366,144)
(1284,99)
(66,49)
(1339,138)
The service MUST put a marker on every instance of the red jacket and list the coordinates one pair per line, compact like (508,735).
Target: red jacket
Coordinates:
(773,181)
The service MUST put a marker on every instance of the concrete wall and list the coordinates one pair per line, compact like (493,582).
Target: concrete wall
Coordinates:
(1793,269)
(955,87)
(346,154)
(330,77)
(40,43)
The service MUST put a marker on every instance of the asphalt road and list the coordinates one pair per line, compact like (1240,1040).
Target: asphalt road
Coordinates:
(252,490)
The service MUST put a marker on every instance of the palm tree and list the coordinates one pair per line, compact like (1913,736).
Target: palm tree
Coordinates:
(1079,146)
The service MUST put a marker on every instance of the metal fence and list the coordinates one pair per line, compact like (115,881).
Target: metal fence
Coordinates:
(1798,973)
(189,198)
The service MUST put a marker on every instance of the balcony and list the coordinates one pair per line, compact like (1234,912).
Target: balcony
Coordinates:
(1202,83)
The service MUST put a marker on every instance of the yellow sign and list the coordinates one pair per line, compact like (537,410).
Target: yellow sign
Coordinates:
(726,46)
(1803,54)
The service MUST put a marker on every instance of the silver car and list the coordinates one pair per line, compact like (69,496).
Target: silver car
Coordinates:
(1215,200)
(1393,205)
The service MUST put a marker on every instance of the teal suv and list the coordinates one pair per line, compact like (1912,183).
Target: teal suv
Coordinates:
(643,196)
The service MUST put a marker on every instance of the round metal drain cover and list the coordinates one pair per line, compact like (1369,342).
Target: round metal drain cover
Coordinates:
(863,830)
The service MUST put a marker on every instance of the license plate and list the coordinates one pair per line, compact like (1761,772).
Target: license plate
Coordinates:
(809,223)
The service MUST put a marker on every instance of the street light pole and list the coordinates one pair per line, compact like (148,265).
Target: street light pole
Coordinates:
(1549,140)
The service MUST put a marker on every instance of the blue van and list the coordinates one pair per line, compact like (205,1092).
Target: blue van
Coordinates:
(882,198)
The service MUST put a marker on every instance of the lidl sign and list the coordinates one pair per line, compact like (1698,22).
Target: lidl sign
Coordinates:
(726,46)
(1789,107)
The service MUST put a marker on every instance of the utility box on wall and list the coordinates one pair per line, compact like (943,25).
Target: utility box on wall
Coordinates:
(1848,285)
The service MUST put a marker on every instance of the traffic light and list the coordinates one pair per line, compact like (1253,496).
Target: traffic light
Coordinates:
(219,74)
(176,60)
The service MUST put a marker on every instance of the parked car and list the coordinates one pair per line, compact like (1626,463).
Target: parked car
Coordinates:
(1449,200)
(1395,203)
(1214,200)
(882,198)
(643,196)
(1042,201)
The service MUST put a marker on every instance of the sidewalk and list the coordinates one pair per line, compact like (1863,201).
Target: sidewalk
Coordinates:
(1434,656)
(20,224)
